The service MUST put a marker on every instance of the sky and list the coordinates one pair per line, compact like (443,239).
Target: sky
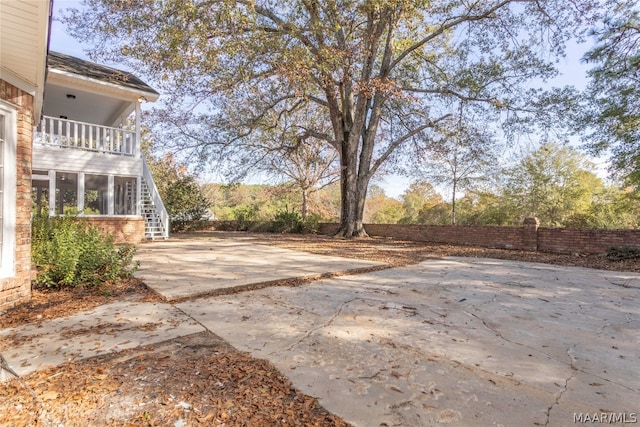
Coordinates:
(573,72)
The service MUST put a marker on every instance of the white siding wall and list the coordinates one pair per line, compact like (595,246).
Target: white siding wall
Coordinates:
(73,160)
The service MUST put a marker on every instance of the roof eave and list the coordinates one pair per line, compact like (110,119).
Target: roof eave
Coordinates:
(71,80)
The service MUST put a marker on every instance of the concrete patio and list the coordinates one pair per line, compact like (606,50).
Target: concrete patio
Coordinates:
(189,268)
(455,341)
(466,342)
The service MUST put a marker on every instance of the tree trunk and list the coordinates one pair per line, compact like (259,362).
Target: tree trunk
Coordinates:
(453,204)
(363,185)
(352,194)
(304,209)
(351,225)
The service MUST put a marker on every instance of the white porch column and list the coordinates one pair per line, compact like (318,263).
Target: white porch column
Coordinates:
(80,193)
(52,193)
(111,192)
(139,195)
(138,119)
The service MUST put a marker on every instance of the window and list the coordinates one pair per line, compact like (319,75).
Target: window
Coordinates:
(96,195)
(124,195)
(7,190)
(66,193)
(80,193)
(40,193)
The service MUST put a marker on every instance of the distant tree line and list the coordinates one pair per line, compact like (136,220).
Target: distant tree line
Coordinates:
(555,183)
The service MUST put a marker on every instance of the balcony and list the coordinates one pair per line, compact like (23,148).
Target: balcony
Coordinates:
(63,133)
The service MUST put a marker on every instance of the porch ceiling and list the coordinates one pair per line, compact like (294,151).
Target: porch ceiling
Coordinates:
(79,105)
(84,91)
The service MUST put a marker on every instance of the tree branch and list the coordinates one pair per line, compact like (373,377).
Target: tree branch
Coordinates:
(453,23)
(395,144)
(458,95)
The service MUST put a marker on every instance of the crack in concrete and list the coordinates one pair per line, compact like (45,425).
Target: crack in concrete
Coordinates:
(552,357)
(297,309)
(574,372)
(622,282)
(327,323)
(499,334)
(370,377)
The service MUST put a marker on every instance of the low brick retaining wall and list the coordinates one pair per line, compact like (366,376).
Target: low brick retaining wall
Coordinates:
(528,237)
(584,241)
(124,229)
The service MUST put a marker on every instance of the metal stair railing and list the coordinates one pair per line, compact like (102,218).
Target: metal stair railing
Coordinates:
(154,197)
(153,224)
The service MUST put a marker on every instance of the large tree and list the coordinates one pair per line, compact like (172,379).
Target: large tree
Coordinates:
(309,164)
(613,110)
(461,157)
(380,72)
(554,183)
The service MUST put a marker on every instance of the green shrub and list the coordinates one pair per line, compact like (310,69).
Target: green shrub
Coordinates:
(244,216)
(621,253)
(69,252)
(187,206)
(286,221)
(311,224)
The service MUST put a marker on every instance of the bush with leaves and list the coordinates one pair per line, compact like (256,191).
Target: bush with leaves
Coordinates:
(286,221)
(244,217)
(69,252)
(622,253)
(183,197)
(311,224)
(186,204)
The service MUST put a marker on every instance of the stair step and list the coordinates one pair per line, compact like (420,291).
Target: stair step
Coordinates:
(154,226)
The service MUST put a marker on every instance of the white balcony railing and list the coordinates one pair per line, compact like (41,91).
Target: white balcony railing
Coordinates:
(65,133)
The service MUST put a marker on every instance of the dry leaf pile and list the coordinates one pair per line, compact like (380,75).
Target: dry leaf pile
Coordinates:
(192,380)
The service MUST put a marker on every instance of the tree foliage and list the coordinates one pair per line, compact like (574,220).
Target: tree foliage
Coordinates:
(378,73)
(462,156)
(554,183)
(381,209)
(259,207)
(264,202)
(180,192)
(309,167)
(486,208)
(423,205)
(612,114)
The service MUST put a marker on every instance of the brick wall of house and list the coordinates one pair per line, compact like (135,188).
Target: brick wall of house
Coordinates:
(18,288)
(123,229)
(527,237)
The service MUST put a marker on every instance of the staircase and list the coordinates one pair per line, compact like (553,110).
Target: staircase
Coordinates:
(152,209)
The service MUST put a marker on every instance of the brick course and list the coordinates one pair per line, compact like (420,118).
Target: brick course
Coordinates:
(567,240)
(529,237)
(123,229)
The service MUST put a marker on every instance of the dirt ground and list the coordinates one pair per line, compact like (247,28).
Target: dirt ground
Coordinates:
(198,379)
